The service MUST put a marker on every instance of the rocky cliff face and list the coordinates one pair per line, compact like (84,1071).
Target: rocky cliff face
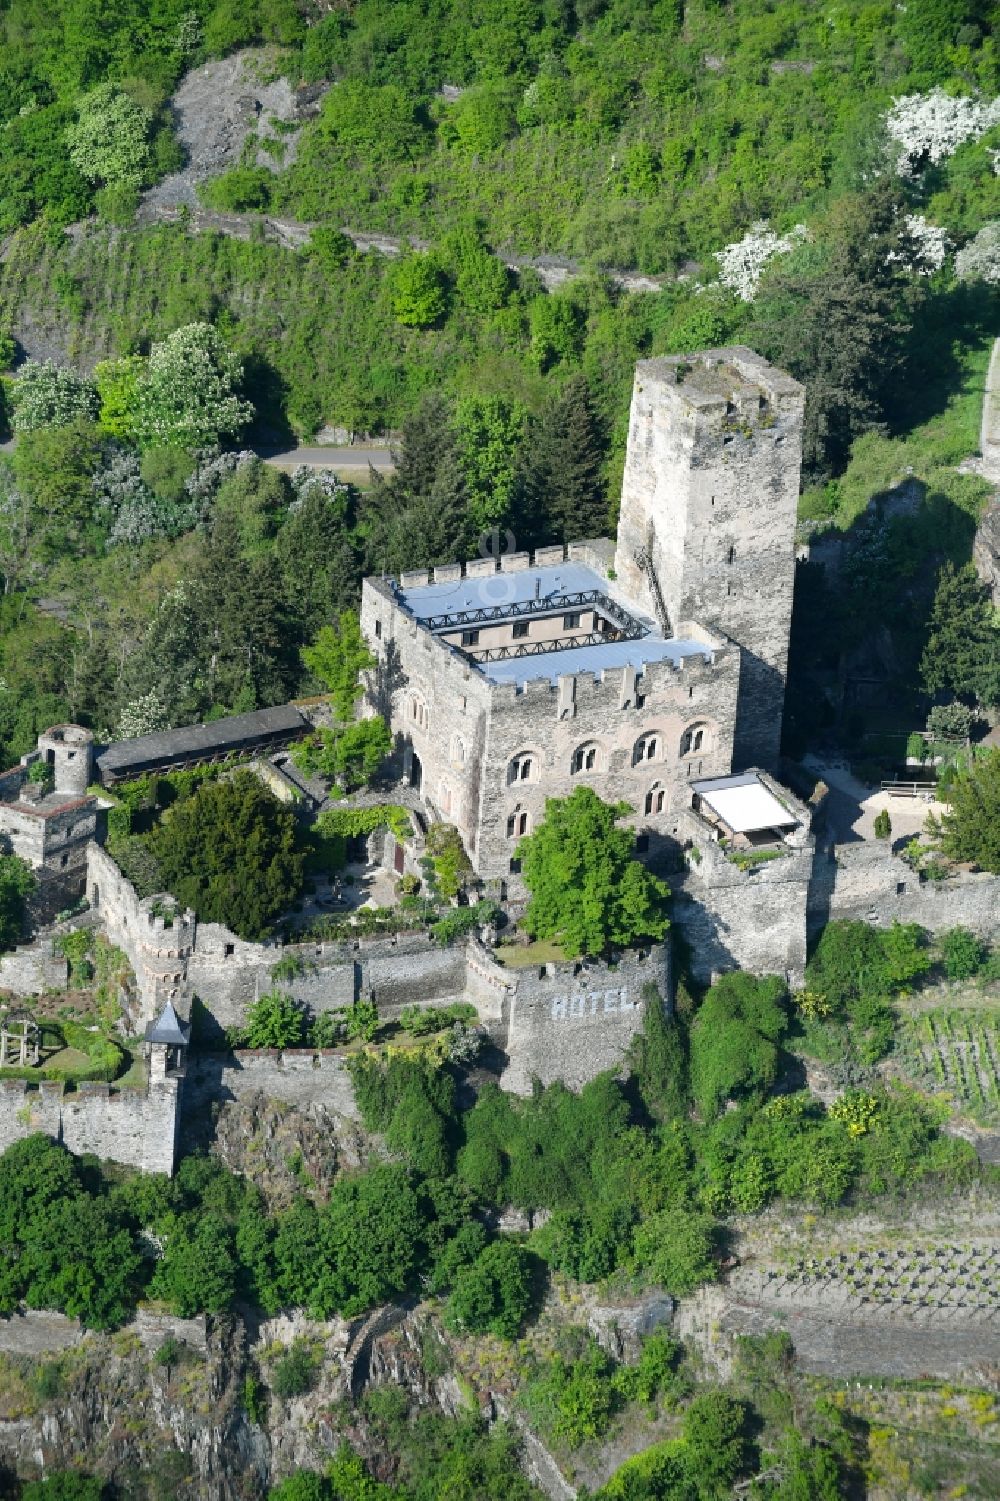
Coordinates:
(986,549)
(207,1423)
(111,1404)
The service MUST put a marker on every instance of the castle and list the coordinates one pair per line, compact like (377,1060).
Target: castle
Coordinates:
(652,669)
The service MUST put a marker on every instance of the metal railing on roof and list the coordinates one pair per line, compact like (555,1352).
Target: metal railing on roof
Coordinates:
(548,604)
(514,649)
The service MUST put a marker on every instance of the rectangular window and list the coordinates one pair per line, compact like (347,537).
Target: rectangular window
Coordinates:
(520,629)
(227,952)
(515,867)
(572,620)
(640,699)
(470,638)
(378,628)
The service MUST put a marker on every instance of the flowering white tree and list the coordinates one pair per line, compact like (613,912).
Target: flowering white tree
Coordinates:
(927,247)
(930,127)
(742,264)
(307,482)
(48,395)
(189,395)
(980,259)
(110,141)
(143,716)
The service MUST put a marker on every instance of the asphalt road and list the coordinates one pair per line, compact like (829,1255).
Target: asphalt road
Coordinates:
(332,458)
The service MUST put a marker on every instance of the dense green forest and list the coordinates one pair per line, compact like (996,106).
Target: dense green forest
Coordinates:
(749,154)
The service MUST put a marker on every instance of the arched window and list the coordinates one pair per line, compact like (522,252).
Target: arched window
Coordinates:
(655,798)
(694,739)
(646,748)
(518,824)
(418,712)
(585,758)
(457,751)
(521,769)
(444,796)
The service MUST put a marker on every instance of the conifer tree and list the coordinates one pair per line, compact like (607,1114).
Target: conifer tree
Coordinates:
(562,491)
(419,517)
(839,324)
(962,654)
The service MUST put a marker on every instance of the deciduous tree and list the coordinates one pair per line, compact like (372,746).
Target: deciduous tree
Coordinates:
(587,889)
(189,396)
(110,141)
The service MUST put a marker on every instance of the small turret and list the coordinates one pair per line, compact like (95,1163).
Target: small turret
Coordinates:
(69,750)
(166,1044)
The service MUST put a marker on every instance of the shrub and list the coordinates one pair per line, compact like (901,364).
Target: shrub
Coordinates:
(492,1295)
(963,954)
(327,1030)
(734,1039)
(883,824)
(676,1248)
(573,1401)
(296,1371)
(275,1020)
(422,1020)
(361,1021)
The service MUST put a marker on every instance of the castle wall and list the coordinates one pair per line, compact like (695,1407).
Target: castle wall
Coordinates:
(568,1021)
(436,704)
(752,919)
(299,1076)
(33,969)
(157,948)
(402,970)
(135,1127)
(865,882)
(711,482)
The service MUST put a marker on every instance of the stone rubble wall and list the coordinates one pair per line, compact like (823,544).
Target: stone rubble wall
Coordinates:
(131,1126)
(868,883)
(33,969)
(298,1076)
(34,1332)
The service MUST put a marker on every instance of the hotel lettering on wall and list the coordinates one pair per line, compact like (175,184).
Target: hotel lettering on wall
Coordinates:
(590,1003)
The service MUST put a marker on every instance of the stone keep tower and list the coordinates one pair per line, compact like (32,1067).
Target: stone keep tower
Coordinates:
(707,525)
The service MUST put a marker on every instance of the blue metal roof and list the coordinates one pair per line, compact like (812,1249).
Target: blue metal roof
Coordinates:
(514,588)
(523,585)
(557,664)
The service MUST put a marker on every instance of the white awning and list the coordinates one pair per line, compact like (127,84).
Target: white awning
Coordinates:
(748,807)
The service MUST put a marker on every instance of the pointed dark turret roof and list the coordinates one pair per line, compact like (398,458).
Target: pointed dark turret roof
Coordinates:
(169,1029)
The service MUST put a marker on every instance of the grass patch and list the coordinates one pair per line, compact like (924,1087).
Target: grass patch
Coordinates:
(542,951)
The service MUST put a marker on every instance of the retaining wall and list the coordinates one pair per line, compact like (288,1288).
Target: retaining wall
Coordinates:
(299,1076)
(868,883)
(131,1126)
